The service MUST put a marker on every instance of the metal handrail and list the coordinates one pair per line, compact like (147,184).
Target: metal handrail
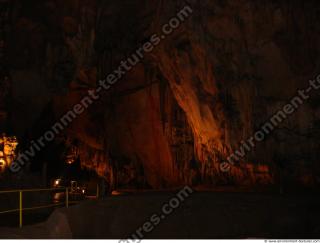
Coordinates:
(33,190)
(21,209)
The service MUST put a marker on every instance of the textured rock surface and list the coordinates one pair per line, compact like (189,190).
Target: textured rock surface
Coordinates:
(187,105)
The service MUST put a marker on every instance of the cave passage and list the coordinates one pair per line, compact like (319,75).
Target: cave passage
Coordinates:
(159,119)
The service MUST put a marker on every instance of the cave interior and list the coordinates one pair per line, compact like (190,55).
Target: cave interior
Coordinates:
(227,100)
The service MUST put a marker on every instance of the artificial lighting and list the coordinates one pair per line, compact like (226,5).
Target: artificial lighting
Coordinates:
(57,182)
(8,151)
(2,164)
(70,161)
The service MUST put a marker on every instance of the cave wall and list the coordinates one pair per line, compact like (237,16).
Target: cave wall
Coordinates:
(230,67)
(181,111)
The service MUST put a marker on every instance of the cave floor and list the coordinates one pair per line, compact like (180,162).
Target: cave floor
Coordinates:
(201,215)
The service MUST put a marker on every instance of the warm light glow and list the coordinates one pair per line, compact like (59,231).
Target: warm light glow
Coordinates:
(57,182)
(72,155)
(2,164)
(70,161)
(8,147)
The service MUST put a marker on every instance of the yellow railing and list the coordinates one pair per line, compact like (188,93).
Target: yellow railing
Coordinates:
(21,208)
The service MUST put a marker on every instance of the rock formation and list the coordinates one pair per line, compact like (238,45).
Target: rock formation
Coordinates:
(189,103)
